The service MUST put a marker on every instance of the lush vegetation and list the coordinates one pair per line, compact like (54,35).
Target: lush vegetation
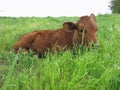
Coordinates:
(115,6)
(97,69)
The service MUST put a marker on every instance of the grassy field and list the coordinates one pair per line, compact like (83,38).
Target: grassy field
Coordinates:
(97,69)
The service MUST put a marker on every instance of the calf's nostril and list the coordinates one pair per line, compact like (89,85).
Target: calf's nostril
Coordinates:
(95,45)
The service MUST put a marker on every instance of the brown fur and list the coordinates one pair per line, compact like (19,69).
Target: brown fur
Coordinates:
(41,41)
(89,25)
(61,39)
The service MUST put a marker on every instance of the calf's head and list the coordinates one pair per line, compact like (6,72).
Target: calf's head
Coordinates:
(87,28)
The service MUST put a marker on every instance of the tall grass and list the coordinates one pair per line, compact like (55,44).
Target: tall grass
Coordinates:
(97,69)
(10,72)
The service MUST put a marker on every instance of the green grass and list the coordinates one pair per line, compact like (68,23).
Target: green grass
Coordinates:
(97,69)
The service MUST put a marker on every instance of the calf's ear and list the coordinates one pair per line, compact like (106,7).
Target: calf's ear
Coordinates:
(93,16)
(69,26)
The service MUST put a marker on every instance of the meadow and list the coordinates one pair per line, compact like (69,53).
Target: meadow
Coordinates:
(96,69)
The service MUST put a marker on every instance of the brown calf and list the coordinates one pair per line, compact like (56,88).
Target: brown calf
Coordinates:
(61,39)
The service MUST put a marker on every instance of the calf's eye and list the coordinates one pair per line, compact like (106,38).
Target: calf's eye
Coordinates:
(81,30)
